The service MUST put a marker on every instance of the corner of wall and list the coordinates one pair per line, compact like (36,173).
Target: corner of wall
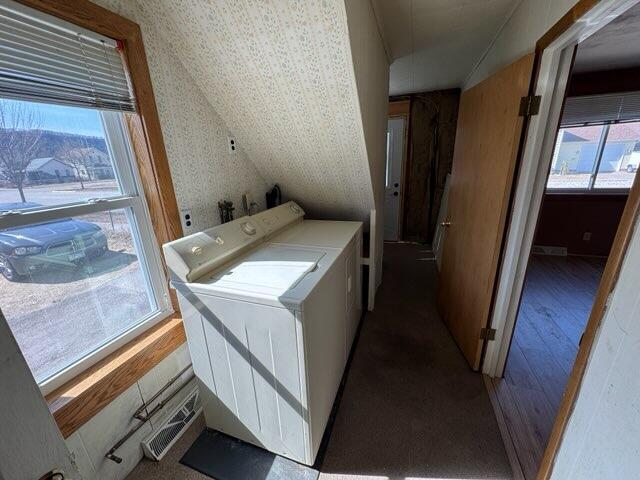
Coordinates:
(371,78)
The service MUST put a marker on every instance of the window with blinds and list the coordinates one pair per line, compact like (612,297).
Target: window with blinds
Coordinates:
(43,59)
(594,109)
(80,270)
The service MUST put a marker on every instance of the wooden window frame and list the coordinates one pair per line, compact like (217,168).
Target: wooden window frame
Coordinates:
(78,400)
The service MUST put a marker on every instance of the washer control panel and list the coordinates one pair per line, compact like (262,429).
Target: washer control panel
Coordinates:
(249,228)
(277,218)
(191,257)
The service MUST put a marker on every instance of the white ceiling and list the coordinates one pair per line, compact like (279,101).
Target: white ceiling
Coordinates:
(435,44)
(614,47)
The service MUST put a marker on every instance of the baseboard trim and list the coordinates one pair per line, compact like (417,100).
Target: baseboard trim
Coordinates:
(509,447)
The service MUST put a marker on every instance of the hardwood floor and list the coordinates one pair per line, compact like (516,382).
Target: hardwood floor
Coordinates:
(556,301)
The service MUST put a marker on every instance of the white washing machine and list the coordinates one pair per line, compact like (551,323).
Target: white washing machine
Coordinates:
(345,236)
(269,305)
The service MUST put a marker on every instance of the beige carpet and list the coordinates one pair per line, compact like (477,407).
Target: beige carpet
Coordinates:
(411,409)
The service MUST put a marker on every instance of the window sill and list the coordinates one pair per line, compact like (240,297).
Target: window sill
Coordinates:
(78,400)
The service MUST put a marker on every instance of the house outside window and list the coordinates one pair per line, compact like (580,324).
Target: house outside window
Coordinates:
(598,144)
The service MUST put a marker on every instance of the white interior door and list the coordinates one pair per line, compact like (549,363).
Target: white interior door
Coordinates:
(31,444)
(393,178)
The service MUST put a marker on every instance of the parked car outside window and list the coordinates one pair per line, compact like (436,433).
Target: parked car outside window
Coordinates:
(64,242)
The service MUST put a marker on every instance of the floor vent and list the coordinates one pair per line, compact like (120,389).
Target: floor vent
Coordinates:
(159,443)
(547,250)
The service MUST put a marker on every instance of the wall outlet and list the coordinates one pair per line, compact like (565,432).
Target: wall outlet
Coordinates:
(187,219)
(232,144)
(586,236)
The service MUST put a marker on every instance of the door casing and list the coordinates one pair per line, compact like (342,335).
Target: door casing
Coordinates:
(550,77)
(402,109)
(553,59)
(400,179)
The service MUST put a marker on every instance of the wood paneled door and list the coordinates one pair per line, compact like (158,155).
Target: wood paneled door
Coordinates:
(487,140)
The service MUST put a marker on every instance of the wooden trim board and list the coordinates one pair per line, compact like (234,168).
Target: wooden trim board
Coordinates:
(574,14)
(77,401)
(504,430)
(399,108)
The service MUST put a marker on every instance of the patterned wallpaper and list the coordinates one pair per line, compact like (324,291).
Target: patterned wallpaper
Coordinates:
(202,170)
(280,75)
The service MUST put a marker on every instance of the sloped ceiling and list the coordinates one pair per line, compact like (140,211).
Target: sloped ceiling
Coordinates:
(280,76)
(435,44)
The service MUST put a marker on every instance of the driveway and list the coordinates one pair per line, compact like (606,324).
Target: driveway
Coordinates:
(61,193)
(60,314)
(55,325)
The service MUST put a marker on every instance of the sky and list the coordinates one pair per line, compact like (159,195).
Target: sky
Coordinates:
(58,118)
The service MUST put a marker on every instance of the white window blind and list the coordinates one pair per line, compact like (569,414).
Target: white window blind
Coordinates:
(613,107)
(44,59)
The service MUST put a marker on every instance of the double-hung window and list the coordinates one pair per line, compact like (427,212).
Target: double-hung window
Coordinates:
(80,266)
(598,144)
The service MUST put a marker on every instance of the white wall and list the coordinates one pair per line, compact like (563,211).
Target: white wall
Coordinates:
(202,169)
(602,439)
(371,70)
(92,441)
(528,22)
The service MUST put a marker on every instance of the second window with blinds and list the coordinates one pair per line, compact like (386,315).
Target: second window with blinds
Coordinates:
(80,266)
(598,144)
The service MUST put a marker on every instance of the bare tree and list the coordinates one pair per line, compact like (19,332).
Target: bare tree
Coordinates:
(75,157)
(20,136)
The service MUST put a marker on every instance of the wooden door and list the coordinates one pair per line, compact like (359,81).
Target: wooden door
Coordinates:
(487,139)
(31,444)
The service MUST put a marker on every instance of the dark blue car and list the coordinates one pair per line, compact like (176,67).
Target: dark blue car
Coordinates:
(64,242)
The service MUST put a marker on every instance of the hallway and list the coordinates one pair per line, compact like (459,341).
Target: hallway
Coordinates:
(411,407)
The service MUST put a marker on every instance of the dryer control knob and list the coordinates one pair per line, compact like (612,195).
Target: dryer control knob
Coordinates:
(295,209)
(196,250)
(248,228)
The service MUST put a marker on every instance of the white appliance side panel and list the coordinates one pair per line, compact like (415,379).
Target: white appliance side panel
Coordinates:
(254,358)
(324,336)
(189,308)
(358,240)
(353,311)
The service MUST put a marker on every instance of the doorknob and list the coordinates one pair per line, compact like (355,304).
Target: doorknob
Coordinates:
(445,224)
(395,194)
(396,185)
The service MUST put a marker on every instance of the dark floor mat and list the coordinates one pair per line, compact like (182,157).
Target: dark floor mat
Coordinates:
(226,458)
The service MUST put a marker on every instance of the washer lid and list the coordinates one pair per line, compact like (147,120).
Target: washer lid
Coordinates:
(270,270)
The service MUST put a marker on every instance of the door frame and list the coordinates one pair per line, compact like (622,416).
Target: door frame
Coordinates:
(554,56)
(551,70)
(402,109)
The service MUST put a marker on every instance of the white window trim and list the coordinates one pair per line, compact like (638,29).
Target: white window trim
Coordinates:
(132,200)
